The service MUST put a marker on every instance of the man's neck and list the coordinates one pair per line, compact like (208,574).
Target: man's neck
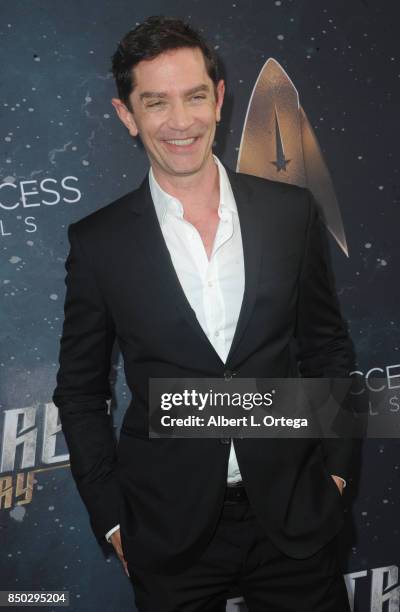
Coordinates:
(196,192)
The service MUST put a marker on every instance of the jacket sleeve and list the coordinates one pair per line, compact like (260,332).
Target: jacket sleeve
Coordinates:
(324,346)
(83,388)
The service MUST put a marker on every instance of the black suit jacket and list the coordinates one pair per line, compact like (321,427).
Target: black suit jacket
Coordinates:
(121,284)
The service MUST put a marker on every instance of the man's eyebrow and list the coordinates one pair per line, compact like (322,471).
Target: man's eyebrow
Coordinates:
(152,94)
(163,94)
(197,89)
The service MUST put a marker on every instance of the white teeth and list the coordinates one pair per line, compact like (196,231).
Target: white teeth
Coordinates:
(181,143)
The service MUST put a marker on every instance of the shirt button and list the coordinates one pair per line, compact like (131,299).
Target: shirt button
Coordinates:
(216,333)
(210,283)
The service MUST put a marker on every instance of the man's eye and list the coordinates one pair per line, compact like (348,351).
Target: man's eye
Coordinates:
(153,104)
(199,97)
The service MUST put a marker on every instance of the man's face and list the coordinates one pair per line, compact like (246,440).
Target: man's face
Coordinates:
(175,111)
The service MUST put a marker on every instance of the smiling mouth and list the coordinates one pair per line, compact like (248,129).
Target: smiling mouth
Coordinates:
(182,142)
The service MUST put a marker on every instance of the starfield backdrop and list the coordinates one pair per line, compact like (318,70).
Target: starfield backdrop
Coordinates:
(64,154)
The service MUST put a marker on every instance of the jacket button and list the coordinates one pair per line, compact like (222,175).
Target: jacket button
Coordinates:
(225,440)
(228,375)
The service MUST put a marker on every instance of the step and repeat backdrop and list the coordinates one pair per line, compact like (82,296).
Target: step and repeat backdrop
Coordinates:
(64,154)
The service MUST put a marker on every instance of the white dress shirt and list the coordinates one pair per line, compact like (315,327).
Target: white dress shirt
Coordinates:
(214,287)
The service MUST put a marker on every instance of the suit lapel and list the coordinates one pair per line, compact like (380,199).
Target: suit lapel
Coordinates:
(149,237)
(251,229)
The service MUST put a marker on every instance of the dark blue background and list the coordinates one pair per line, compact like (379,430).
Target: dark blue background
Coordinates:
(343,58)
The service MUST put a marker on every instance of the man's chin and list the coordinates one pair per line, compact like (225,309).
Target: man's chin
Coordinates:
(187,167)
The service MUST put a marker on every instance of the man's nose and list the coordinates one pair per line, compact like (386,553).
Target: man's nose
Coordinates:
(180,117)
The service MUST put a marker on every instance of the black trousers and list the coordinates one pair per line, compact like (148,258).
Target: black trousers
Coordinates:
(241,557)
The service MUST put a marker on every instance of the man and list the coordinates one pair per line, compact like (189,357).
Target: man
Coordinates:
(201,272)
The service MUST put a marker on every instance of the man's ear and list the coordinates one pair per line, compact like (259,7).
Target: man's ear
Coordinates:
(125,116)
(220,99)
